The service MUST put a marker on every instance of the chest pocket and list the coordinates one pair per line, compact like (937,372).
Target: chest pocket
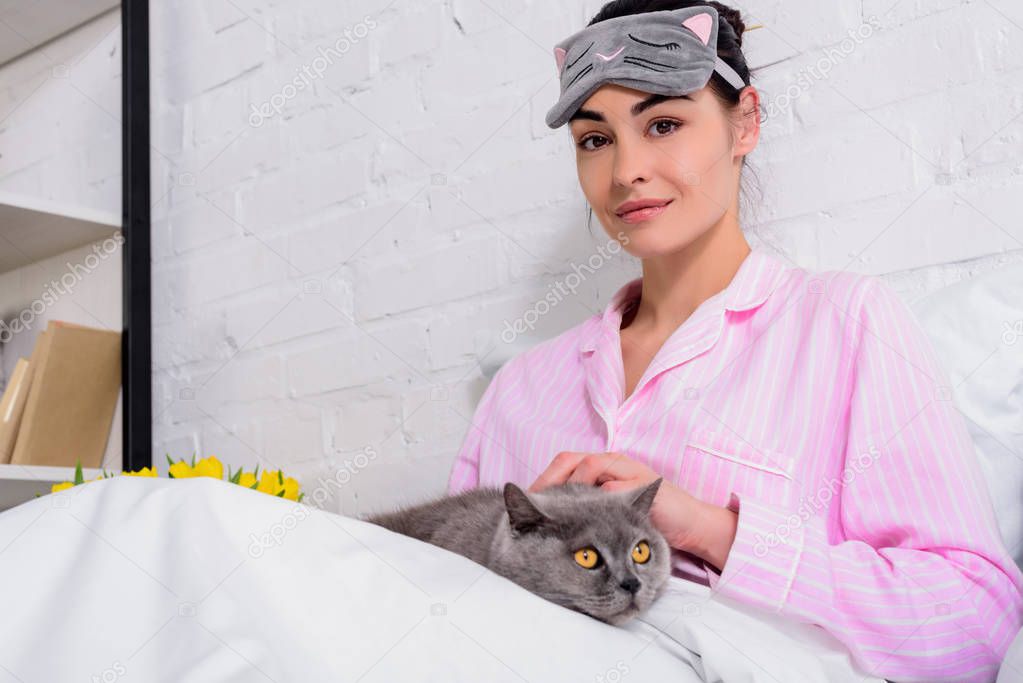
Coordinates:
(716,463)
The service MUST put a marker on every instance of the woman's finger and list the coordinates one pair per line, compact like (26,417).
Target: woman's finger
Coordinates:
(558,471)
(614,485)
(598,468)
(587,471)
(603,467)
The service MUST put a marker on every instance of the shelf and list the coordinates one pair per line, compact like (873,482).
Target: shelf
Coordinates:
(20,483)
(34,229)
(25,26)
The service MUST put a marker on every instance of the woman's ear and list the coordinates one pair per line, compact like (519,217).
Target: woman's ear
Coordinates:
(747,128)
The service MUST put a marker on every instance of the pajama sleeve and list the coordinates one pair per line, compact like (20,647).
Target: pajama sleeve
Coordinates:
(906,567)
(465,470)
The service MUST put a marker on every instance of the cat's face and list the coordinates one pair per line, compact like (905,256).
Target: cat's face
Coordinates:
(587,549)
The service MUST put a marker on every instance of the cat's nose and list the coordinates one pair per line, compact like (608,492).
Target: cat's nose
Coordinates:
(630,584)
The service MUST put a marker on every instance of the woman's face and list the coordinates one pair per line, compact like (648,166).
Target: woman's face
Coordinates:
(678,151)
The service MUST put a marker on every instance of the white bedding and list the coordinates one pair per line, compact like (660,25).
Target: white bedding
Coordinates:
(200,580)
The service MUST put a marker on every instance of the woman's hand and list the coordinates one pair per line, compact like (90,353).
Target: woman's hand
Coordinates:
(686,523)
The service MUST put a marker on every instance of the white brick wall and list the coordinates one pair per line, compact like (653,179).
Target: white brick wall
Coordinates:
(331,279)
(326,282)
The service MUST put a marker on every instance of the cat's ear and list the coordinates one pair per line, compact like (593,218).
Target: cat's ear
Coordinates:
(522,514)
(559,58)
(700,24)
(645,498)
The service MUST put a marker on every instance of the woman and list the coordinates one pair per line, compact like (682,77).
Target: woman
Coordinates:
(814,461)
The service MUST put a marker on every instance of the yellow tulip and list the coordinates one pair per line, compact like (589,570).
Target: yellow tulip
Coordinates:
(272,482)
(290,488)
(61,486)
(268,482)
(144,472)
(181,470)
(209,467)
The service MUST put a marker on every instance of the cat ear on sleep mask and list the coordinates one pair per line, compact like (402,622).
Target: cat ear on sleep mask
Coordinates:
(668,52)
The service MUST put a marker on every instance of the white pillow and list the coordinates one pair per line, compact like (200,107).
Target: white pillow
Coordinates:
(977,330)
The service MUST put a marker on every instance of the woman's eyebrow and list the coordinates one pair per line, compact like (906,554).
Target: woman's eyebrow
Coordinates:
(636,110)
(641,107)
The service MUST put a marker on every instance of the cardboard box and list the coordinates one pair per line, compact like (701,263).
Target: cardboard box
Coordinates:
(71,399)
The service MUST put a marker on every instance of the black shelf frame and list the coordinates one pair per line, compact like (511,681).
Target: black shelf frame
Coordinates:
(136,285)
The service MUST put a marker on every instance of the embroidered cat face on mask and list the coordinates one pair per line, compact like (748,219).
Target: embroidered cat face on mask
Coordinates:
(669,52)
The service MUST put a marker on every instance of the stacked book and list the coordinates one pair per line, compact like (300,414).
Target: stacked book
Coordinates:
(59,404)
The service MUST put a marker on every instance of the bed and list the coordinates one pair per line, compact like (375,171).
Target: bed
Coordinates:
(203,580)
(207,581)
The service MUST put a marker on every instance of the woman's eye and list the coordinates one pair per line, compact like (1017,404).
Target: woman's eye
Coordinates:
(661,128)
(662,123)
(587,557)
(582,143)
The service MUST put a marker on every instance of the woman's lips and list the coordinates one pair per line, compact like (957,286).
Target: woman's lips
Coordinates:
(640,215)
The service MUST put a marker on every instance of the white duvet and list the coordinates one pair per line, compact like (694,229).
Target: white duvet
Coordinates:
(140,579)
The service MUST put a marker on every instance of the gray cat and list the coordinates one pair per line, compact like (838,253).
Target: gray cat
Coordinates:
(579,546)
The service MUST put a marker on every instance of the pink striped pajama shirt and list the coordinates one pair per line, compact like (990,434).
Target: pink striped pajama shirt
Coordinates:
(814,406)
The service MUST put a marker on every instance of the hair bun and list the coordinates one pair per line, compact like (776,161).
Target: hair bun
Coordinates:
(733,18)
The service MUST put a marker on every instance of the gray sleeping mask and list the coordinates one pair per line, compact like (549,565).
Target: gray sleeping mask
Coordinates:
(669,52)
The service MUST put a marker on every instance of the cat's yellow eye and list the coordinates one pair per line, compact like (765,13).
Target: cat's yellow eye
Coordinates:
(641,553)
(587,557)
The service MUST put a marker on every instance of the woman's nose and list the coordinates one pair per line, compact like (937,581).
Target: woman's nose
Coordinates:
(631,162)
